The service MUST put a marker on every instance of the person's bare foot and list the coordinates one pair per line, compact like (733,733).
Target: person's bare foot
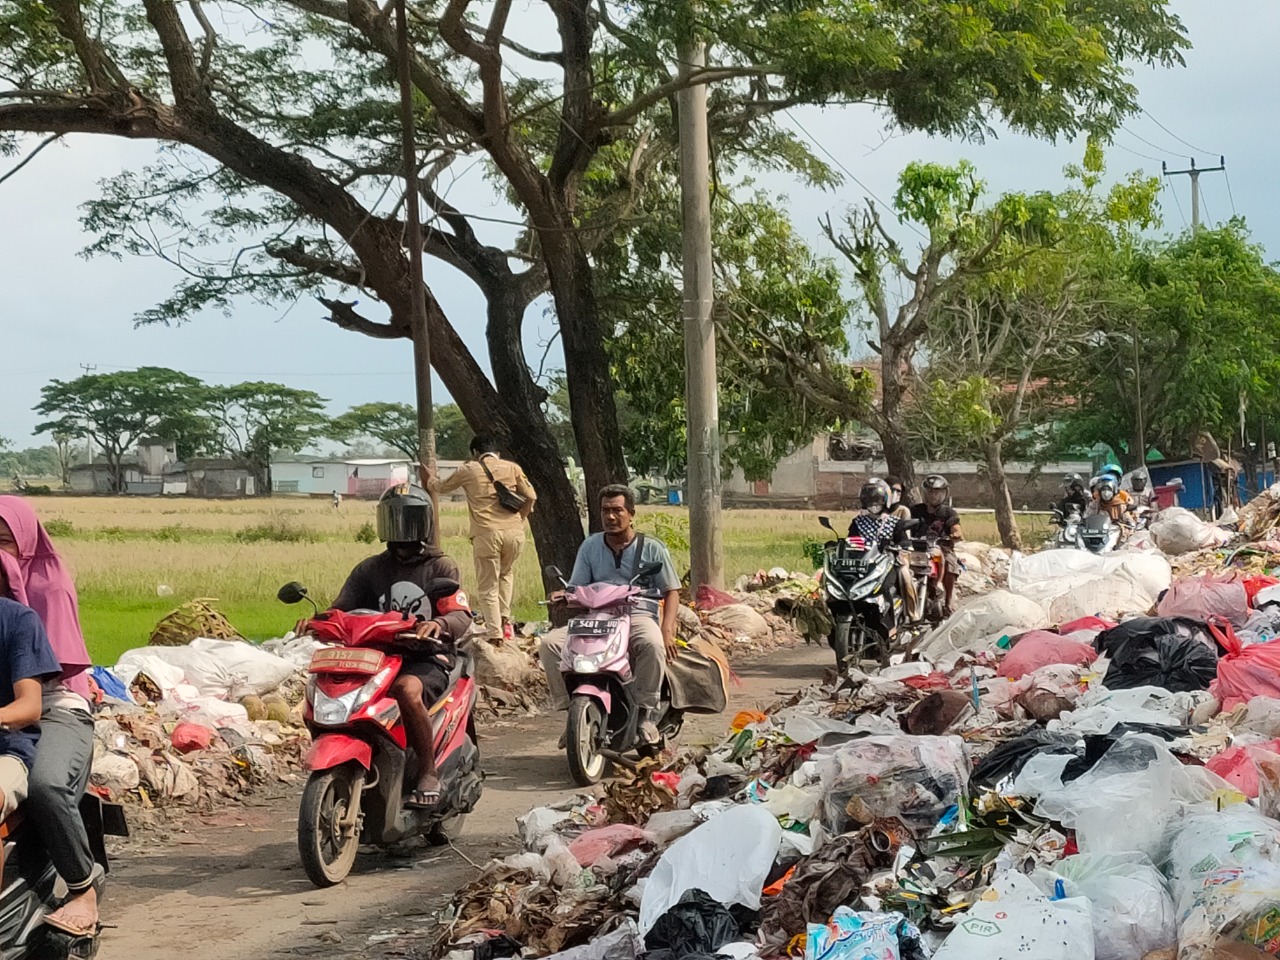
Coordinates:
(78,916)
(426,795)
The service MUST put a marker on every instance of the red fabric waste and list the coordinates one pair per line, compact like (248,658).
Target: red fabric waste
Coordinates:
(594,845)
(1236,765)
(709,598)
(1244,672)
(187,737)
(1039,648)
(1256,584)
(937,680)
(1085,623)
(667,778)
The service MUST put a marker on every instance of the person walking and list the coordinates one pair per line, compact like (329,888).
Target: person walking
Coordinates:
(499,499)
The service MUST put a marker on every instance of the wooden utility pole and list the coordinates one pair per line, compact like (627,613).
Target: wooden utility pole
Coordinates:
(418,300)
(702,408)
(1194,173)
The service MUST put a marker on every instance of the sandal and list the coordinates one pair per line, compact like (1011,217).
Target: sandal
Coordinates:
(422,799)
(72,928)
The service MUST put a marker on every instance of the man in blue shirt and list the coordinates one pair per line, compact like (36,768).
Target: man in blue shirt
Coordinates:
(615,556)
(26,661)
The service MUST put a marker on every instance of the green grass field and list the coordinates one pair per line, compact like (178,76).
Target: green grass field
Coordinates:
(136,559)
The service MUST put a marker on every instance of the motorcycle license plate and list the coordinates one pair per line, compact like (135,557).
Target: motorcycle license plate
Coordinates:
(585,627)
(848,565)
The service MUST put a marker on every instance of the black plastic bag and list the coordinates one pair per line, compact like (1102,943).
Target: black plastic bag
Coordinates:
(1169,652)
(1010,757)
(697,925)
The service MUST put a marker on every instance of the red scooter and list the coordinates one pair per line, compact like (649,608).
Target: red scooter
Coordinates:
(361,767)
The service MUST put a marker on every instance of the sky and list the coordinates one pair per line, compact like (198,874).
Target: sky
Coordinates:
(62,312)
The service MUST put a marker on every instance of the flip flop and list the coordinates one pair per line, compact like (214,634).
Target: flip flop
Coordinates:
(423,800)
(72,929)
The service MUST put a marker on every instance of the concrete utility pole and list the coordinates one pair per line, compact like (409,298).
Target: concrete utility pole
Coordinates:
(418,301)
(702,407)
(1194,174)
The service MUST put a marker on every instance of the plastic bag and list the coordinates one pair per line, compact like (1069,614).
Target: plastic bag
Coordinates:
(1238,765)
(1100,710)
(913,778)
(189,737)
(603,842)
(856,936)
(1244,672)
(1129,899)
(1170,652)
(226,669)
(980,623)
(1178,531)
(1021,922)
(695,925)
(729,857)
(1073,584)
(1224,872)
(1039,648)
(1205,597)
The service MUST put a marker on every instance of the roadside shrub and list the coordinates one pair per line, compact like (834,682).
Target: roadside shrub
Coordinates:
(367,533)
(815,550)
(58,527)
(173,533)
(277,528)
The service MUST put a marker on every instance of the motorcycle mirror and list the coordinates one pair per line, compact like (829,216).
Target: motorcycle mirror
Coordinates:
(292,592)
(826,522)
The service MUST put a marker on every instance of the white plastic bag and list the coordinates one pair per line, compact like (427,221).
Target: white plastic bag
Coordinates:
(1224,871)
(1071,584)
(1179,531)
(1100,709)
(1131,906)
(1021,922)
(226,669)
(729,857)
(980,623)
(249,669)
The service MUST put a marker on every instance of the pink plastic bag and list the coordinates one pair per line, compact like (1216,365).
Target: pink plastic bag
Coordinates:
(1206,597)
(189,737)
(594,845)
(1085,623)
(1238,765)
(1039,648)
(1244,672)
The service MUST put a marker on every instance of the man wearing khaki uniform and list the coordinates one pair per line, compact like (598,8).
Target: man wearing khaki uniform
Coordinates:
(497,534)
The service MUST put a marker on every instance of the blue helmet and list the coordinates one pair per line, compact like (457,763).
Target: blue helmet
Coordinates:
(1111,470)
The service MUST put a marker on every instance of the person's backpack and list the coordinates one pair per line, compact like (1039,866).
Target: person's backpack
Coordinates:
(508,499)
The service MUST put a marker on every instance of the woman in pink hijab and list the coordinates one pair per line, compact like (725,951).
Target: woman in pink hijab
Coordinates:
(35,576)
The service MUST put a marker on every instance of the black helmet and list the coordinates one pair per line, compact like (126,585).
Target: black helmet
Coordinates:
(405,515)
(936,489)
(874,493)
(1139,482)
(1074,482)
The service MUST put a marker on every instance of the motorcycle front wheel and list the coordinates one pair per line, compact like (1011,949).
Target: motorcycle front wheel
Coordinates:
(327,855)
(584,737)
(839,642)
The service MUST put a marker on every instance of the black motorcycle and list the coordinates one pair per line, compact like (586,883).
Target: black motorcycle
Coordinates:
(860,585)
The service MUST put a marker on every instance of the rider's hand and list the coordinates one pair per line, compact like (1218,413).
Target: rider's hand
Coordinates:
(556,596)
(427,630)
(673,648)
(300,628)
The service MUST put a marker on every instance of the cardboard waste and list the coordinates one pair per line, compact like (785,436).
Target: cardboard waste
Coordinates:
(1083,762)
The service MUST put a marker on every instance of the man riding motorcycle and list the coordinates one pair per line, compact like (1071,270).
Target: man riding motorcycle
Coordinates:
(1140,494)
(939,520)
(880,522)
(1076,499)
(397,579)
(615,556)
(1110,500)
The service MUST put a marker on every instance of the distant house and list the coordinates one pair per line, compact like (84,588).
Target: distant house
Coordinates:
(825,475)
(218,477)
(96,477)
(363,478)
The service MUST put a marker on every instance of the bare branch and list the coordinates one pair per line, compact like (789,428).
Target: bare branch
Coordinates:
(623,116)
(210,38)
(189,89)
(30,156)
(345,316)
(296,254)
(99,68)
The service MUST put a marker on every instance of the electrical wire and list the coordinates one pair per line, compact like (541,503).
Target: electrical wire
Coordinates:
(1177,203)
(1185,143)
(852,176)
(1230,193)
(1137,153)
(1138,136)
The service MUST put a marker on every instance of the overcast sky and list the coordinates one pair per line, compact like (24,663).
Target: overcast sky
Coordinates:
(61,311)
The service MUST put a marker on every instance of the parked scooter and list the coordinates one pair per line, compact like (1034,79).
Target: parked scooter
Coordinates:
(32,888)
(860,584)
(361,765)
(604,721)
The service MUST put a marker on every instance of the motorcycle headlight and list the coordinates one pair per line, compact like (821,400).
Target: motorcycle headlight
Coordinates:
(588,663)
(335,711)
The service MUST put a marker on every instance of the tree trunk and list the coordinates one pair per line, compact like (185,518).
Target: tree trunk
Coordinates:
(591,393)
(1006,523)
(556,523)
(892,430)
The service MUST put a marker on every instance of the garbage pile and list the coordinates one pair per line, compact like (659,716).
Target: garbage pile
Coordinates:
(200,722)
(1083,765)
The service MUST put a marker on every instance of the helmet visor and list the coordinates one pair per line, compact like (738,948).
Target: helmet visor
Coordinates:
(404,522)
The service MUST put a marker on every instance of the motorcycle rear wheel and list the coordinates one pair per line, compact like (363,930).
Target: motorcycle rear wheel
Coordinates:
(327,856)
(584,735)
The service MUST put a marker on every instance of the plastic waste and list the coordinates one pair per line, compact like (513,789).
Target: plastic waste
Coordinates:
(1244,672)
(226,669)
(1205,597)
(914,778)
(669,825)
(1170,652)
(980,623)
(697,925)
(114,772)
(1100,710)
(1224,873)
(729,857)
(1178,531)
(1040,648)
(1129,899)
(188,737)
(849,935)
(1238,765)
(625,943)
(110,685)
(1073,584)
(1021,922)
(603,842)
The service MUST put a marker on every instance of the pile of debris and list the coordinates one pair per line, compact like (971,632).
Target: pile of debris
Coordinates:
(1083,764)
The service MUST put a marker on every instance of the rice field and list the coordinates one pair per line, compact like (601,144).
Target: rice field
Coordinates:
(135,559)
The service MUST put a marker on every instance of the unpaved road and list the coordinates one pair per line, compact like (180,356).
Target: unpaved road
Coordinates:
(231,886)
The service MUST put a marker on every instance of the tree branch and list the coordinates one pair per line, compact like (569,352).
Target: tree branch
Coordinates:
(99,68)
(210,38)
(30,156)
(344,315)
(189,89)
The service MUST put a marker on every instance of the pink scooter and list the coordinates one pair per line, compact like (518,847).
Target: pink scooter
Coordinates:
(604,720)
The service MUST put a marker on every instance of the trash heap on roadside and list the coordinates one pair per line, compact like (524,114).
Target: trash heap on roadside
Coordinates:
(200,722)
(1082,764)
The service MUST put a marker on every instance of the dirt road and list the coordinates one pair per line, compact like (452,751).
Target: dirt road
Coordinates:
(231,886)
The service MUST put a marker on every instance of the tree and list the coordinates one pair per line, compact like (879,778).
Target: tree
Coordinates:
(65,455)
(285,153)
(254,420)
(396,425)
(116,410)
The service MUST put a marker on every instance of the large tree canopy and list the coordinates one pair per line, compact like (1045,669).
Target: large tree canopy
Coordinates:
(276,154)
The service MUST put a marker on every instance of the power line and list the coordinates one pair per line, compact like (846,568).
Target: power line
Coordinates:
(852,176)
(1137,153)
(1174,135)
(1231,195)
(1177,202)
(1138,136)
